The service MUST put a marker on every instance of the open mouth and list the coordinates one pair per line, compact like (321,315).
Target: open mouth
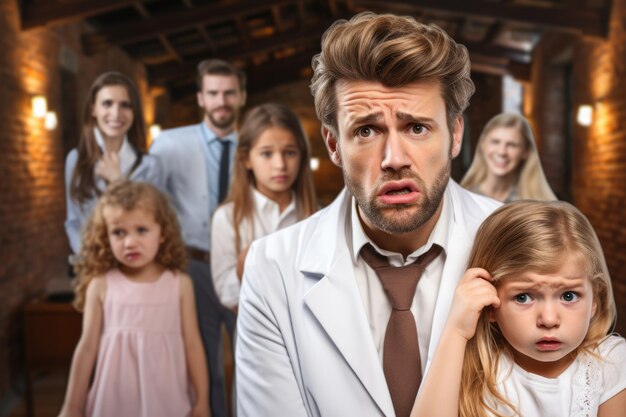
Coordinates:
(398,192)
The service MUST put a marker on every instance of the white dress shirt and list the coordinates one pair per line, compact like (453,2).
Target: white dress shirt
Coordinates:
(577,392)
(377,305)
(267,219)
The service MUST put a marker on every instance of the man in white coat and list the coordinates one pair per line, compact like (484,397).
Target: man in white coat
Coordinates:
(196,160)
(390,93)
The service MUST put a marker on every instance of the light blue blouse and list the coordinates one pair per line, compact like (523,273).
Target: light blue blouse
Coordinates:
(149,170)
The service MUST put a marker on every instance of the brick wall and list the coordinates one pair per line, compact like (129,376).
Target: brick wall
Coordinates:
(33,246)
(598,180)
(484,104)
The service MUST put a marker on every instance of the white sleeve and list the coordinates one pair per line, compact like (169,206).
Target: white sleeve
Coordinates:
(266,381)
(224,257)
(613,352)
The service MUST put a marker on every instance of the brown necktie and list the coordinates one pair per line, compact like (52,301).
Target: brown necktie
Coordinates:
(401,354)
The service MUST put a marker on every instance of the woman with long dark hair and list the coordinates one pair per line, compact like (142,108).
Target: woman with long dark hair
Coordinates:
(111,147)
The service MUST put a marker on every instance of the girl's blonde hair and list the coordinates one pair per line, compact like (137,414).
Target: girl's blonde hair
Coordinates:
(255,122)
(529,236)
(531,181)
(96,256)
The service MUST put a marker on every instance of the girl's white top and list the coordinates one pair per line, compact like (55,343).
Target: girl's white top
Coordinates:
(578,392)
(266,218)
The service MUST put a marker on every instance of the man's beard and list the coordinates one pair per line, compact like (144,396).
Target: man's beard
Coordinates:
(394,222)
(224,123)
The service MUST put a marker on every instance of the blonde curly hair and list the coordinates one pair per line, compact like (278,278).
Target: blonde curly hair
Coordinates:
(96,256)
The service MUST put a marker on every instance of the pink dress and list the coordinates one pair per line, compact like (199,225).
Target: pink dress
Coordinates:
(141,369)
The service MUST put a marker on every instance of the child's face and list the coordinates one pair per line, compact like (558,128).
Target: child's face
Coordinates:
(274,161)
(134,235)
(544,317)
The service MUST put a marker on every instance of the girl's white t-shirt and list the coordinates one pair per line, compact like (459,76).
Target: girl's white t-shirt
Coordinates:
(578,392)
(267,219)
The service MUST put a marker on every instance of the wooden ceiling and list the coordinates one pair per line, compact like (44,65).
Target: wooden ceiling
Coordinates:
(274,40)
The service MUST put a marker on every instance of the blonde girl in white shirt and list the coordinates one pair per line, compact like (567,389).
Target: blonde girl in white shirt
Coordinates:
(272,187)
(527,333)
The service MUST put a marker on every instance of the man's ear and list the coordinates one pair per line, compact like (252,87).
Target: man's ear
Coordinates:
(457,136)
(332,145)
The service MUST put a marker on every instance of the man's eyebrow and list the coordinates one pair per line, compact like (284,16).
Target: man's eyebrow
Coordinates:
(368,118)
(406,117)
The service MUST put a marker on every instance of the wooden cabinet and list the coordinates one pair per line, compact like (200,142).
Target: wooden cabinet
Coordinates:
(51,332)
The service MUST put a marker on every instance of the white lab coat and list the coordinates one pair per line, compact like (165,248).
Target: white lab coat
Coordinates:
(304,344)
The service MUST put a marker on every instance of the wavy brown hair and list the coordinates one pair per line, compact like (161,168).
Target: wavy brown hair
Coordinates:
(529,236)
(531,181)
(395,51)
(83,182)
(96,257)
(255,122)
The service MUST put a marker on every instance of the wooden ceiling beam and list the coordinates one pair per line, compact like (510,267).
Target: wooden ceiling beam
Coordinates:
(588,20)
(141,9)
(173,22)
(170,48)
(260,77)
(164,72)
(488,49)
(55,12)
(498,66)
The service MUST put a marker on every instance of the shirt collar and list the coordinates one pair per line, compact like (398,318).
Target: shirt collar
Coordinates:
(126,153)
(210,136)
(438,236)
(263,203)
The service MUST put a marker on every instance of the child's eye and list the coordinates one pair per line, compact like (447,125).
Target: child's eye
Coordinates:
(266,154)
(522,298)
(117,232)
(569,296)
(291,154)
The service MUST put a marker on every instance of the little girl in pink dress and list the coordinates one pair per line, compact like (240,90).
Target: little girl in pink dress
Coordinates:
(139,321)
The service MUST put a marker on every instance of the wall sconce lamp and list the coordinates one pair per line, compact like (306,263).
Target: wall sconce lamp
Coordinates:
(155,131)
(584,116)
(40,106)
(315,164)
(51,121)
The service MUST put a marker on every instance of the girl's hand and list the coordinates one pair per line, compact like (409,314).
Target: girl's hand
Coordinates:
(201,409)
(474,292)
(108,167)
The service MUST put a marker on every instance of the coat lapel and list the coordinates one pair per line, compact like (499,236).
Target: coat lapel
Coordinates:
(334,300)
(467,217)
